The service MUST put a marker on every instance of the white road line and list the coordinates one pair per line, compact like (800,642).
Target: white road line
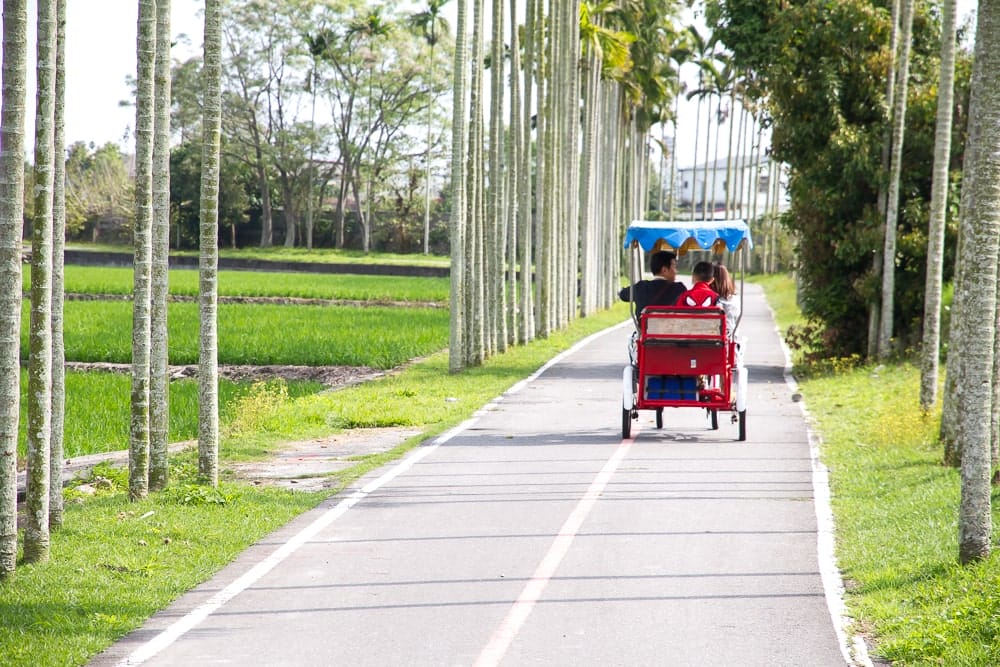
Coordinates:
(181,626)
(508,629)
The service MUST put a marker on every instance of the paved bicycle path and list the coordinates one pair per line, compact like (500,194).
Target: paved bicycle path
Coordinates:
(535,535)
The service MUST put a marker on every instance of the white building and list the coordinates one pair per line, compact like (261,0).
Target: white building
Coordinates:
(755,187)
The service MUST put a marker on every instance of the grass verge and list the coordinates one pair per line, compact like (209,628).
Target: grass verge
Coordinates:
(114,563)
(98,404)
(896,512)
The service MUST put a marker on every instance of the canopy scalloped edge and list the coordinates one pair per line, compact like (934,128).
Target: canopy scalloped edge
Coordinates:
(714,235)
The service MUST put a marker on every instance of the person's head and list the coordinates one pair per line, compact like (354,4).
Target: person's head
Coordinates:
(722,283)
(664,263)
(702,272)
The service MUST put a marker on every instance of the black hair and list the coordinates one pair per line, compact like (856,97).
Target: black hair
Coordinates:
(661,259)
(703,272)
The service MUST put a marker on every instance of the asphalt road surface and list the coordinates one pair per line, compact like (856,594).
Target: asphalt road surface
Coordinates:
(534,535)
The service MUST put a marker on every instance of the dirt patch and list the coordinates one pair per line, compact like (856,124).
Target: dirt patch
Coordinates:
(331,376)
(272,300)
(306,465)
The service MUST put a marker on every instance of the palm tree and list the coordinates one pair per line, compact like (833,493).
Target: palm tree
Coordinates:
(317,44)
(680,54)
(515,151)
(431,25)
(456,345)
(978,284)
(138,460)
(895,171)
(36,529)
(369,27)
(58,408)
(473,291)
(931,347)
(525,200)
(208,256)
(496,237)
(15,59)
(699,49)
(159,385)
(890,83)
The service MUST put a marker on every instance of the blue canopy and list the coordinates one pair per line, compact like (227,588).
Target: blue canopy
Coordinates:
(716,235)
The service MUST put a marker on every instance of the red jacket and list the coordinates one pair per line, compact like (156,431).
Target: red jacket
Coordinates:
(699,296)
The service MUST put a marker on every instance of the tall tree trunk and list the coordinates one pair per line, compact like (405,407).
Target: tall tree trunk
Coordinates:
(159,381)
(526,224)
(497,245)
(890,81)
(36,528)
(290,213)
(15,59)
(704,184)
(589,238)
(208,257)
(138,460)
(58,409)
(267,216)
(694,164)
(474,266)
(895,172)
(979,291)
(515,149)
(931,347)
(428,141)
(311,168)
(456,344)
(544,194)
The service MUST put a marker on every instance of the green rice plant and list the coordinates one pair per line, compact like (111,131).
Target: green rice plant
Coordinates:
(184,282)
(263,334)
(97,409)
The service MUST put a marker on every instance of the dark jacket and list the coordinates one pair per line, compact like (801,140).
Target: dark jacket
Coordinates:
(653,293)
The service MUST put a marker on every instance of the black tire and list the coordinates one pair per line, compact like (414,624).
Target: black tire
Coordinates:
(743,425)
(715,419)
(626,424)
(659,417)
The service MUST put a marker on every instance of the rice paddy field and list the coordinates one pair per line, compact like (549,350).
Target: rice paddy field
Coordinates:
(278,332)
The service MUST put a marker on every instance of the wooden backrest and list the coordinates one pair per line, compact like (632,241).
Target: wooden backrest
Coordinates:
(673,325)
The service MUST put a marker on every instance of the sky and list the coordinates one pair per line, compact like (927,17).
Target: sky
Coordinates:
(100,55)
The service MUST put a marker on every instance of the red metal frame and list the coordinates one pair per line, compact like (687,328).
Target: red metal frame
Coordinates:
(678,346)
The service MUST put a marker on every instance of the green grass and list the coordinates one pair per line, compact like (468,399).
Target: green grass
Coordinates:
(780,290)
(379,337)
(114,563)
(896,512)
(184,282)
(97,409)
